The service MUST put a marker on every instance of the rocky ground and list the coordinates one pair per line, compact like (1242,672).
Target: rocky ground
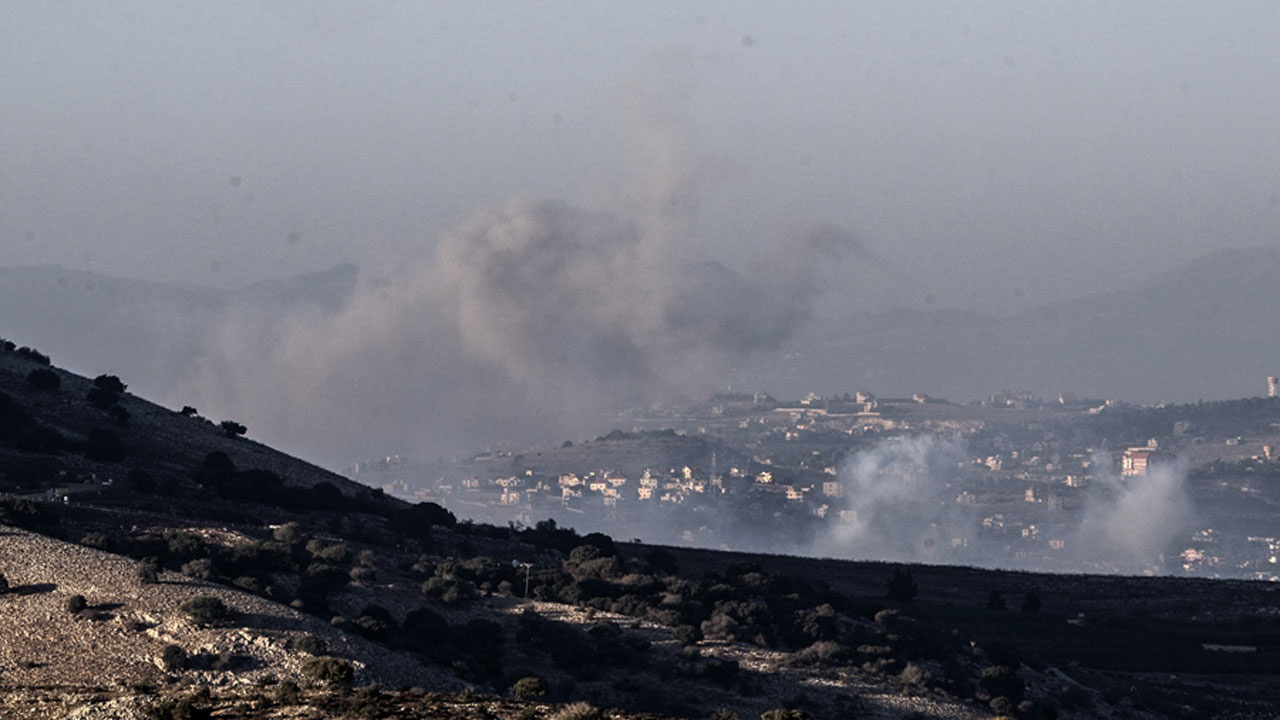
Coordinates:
(118,641)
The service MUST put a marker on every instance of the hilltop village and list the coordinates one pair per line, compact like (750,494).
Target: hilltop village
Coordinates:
(1013,481)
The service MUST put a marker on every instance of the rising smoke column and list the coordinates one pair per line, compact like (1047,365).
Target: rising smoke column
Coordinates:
(528,321)
(1130,522)
(901,497)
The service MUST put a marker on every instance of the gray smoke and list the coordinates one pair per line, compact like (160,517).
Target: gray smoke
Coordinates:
(899,500)
(526,322)
(900,504)
(1129,523)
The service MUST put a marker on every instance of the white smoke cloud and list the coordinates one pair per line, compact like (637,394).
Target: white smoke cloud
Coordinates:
(901,495)
(1130,522)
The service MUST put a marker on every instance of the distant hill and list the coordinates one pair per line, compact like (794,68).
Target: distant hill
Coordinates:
(1204,330)
(154,331)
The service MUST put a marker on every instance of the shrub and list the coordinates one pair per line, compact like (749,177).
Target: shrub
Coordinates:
(328,670)
(231,428)
(823,652)
(149,571)
(288,693)
(174,658)
(311,645)
(185,709)
(915,676)
(288,533)
(1031,601)
(110,383)
(96,540)
(140,481)
(328,552)
(720,671)
(104,445)
(200,569)
(1002,681)
(785,714)
(1002,706)
(887,618)
(31,354)
(206,610)
(579,711)
(901,586)
(102,398)
(686,634)
(529,687)
(44,379)
(363,575)
(218,461)
(76,604)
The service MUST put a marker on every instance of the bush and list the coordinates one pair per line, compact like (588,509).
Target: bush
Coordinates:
(110,383)
(44,379)
(288,533)
(102,398)
(149,571)
(785,714)
(579,711)
(901,586)
(915,676)
(140,481)
(311,645)
(76,604)
(1002,706)
(31,354)
(1002,681)
(206,610)
(104,445)
(174,658)
(330,671)
(200,569)
(1031,601)
(231,428)
(288,693)
(529,687)
(686,634)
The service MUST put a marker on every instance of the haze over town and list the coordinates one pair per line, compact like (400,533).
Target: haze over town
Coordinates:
(523,225)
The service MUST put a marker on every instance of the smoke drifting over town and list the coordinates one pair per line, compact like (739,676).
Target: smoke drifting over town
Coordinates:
(902,502)
(901,499)
(1128,523)
(530,319)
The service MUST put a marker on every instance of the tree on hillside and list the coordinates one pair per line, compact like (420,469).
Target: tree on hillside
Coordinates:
(110,383)
(232,428)
(44,379)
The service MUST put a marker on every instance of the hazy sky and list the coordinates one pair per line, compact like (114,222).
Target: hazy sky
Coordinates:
(997,155)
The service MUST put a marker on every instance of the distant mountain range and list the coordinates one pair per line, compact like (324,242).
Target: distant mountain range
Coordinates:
(1209,329)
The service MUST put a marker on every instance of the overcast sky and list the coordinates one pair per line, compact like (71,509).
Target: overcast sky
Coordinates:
(996,155)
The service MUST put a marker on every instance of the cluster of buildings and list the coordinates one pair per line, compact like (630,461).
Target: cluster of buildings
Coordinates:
(1032,469)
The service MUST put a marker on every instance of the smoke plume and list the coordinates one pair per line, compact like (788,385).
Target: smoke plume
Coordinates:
(527,321)
(899,501)
(1129,523)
